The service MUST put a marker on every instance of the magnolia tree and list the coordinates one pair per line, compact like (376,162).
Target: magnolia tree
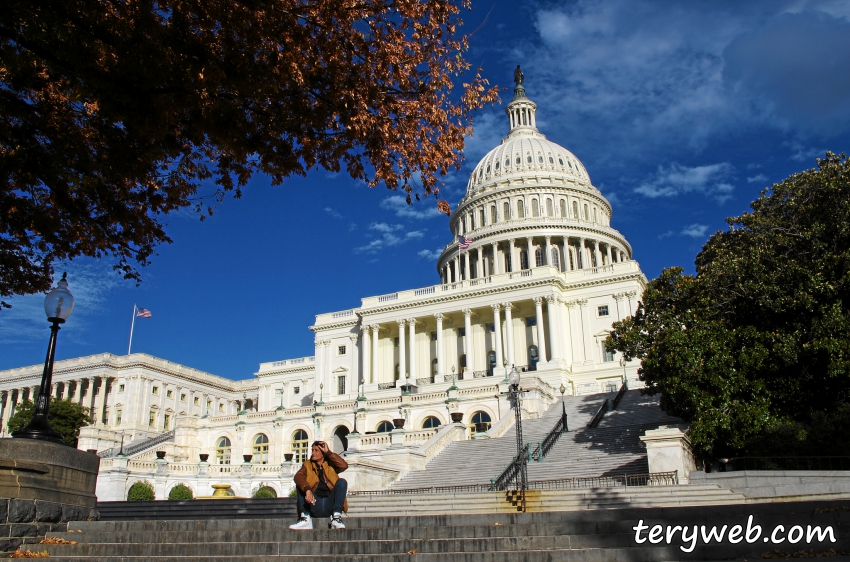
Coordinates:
(753,349)
(113,113)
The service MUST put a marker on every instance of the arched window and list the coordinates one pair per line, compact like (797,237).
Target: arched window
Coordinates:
(385,427)
(299,446)
(540,158)
(523,259)
(472,220)
(538,257)
(575,209)
(508,263)
(479,417)
(528,158)
(431,422)
(586,214)
(520,209)
(493,216)
(594,214)
(550,209)
(518,160)
(488,168)
(533,357)
(563,208)
(561,160)
(506,210)
(260,450)
(491,361)
(222,451)
(497,165)
(556,261)
(551,160)
(482,217)
(535,208)
(507,162)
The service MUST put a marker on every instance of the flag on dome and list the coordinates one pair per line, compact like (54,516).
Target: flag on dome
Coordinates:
(143,313)
(463,243)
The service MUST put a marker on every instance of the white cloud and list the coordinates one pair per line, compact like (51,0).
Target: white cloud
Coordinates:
(667,234)
(90,281)
(695,230)
(758,178)
(710,180)
(384,227)
(390,236)
(424,209)
(414,234)
(332,212)
(803,153)
(429,254)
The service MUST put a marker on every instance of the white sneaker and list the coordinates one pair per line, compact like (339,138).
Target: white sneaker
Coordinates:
(336,522)
(304,524)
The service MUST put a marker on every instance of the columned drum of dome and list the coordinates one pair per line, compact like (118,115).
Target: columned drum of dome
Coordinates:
(530,202)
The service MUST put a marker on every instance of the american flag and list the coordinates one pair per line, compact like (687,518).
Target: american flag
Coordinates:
(463,243)
(143,313)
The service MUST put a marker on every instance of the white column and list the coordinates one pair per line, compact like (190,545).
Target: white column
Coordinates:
(608,250)
(376,328)
(354,378)
(479,268)
(101,397)
(513,256)
(80,389)
(530,254)
(565,332)
(317,368)
(456,276)
(585,327)
(441,370)
(497,332)
(541,333)
(402,348)
(554,336)
(598,253)
(411,324)
(467,339)
(365,356)
(583,258)
(509,333)
(497,269)
(548,257)
(467,273)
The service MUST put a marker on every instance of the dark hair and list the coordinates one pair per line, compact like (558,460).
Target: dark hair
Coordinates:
(315,443)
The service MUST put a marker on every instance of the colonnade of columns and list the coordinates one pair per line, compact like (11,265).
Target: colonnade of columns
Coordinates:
(494,258)
(561,335)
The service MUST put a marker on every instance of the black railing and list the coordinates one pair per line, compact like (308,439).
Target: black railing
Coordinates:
(619,397)
(509,475)
(386,385)
(543,447)
(426,380)
(612,481)
(597,417)
(786,463)
(482,374)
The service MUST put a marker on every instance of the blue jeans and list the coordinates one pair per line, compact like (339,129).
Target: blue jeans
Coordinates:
(325,507)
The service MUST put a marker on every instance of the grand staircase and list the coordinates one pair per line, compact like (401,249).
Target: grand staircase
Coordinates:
(586,536)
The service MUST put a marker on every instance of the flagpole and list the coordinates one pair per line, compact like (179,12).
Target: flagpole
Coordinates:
(132,325)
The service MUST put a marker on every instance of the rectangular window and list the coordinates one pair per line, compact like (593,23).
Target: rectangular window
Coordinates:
(197,401)
(221,407)
(491,327)
(296,390)
(277,392)
(120,388)
(118,417)
(155,390)
(166,422)
(152,420)
(340,385)
(433,336)
(530,321)
(209,404)
(340,350)
(461,332)
(182,397)
(169,393)
(602,310)
(607,356)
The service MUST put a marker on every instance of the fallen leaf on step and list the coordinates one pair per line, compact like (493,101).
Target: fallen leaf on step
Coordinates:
(56,540)
(412,551)
(28,554)
(494,524)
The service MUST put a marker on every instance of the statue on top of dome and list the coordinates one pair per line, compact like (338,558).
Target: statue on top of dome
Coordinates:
(519,77)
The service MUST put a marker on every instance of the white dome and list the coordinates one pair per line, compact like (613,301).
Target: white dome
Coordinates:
(529,154)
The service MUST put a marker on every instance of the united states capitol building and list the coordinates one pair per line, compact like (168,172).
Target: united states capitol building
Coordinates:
(538,287)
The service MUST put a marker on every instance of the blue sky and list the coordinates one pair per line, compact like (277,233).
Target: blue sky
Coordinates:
(680,111)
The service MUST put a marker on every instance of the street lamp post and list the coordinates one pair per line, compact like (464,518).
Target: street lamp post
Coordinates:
(58,305)
(562,390)
(515,396)
(623,365)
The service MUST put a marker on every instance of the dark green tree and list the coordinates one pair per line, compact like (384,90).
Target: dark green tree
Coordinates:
(65,416)
(759,339)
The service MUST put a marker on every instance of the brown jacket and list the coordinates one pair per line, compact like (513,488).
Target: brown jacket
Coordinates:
(307,477)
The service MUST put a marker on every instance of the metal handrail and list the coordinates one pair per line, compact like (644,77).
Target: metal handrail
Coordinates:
(543,447)
(610,481)
(787,463)
(508,475)
(139,447)
(597,417)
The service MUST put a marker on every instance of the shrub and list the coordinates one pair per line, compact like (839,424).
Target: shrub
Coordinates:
(293,493)
(265,492)
(180,492)
(141,491)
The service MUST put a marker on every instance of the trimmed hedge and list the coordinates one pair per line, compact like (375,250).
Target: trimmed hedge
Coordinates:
(141,491)
(265,492)
(180,492)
